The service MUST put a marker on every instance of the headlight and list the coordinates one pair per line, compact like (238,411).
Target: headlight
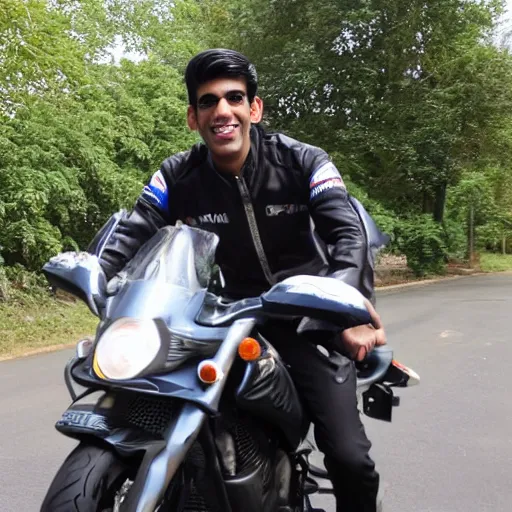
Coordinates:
(126,348)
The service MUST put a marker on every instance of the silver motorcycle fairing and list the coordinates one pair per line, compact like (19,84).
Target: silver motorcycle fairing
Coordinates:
(103,235)
(157,469)
(168,264)
(162,459)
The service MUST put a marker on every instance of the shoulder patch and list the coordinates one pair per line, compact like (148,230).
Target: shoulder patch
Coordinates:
(324,178)
(156,191)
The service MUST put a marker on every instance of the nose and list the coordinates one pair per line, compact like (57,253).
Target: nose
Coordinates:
(223,108)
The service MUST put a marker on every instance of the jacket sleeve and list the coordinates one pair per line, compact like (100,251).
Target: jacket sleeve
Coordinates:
(150,213)
(339,226)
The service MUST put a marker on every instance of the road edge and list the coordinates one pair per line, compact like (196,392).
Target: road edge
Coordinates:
(38,351)
(393,287)
(424,282)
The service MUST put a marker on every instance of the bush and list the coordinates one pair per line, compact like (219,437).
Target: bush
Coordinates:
(421,240)
(456,239)
(19,285)
(386,220)
(5,286)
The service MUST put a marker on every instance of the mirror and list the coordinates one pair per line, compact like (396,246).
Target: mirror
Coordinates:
(80,274)
(324,298)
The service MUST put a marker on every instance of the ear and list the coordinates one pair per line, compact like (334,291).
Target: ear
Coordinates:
(256,110)
(191,118)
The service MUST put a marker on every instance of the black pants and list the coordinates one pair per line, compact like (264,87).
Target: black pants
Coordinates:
(327,386)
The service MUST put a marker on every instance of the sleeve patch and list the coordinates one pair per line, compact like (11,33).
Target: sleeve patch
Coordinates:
(325,178)
(156,191)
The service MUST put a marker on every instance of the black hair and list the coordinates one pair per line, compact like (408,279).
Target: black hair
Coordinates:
(219,63)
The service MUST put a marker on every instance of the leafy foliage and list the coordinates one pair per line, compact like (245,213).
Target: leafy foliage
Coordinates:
(70,158)
(421,240)
(413,102)
(412,99)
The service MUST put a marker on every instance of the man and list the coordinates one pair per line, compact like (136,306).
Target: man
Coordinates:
(258,192)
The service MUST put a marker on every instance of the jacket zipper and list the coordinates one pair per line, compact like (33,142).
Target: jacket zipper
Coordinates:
(253,226)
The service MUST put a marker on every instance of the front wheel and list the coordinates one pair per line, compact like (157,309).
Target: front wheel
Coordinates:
(88,481)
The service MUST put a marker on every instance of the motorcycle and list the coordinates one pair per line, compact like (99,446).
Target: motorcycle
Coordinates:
(182,405)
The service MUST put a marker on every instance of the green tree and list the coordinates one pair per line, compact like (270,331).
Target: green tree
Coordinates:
(412,101)
(401,92)
(76,147)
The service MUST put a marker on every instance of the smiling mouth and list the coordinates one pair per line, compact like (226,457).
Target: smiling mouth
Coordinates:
(228,128)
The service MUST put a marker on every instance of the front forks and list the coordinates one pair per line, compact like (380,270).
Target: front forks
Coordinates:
(162,461)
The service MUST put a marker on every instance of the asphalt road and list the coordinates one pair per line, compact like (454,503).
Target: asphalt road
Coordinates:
(448,449)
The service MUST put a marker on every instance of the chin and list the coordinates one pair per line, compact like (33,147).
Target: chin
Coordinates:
(226,149)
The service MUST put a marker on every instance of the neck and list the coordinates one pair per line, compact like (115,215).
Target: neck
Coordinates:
(232,165)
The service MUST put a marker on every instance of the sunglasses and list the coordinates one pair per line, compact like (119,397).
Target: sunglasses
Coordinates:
(234,98)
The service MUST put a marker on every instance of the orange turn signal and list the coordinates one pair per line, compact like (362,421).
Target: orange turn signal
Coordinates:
(209,372)
(249,349)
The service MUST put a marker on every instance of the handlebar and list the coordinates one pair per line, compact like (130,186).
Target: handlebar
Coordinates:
(380,358)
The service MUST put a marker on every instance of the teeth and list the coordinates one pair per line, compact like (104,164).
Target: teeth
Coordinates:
(224,129)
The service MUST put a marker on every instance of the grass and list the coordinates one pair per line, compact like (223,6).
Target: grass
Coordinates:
(30,323)
(491,262)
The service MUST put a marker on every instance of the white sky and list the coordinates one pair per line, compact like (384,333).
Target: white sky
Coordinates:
(507,19)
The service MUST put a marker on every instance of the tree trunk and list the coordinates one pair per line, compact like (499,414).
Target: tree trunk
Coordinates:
(428,203)
(471,235)
(439,203)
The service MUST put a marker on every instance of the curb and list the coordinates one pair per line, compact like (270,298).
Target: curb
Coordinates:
(38,351)
(425,282)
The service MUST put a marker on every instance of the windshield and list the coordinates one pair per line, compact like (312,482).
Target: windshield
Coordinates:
(180,256)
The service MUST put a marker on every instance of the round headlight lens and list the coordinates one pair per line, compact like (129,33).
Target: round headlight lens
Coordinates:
(126,348)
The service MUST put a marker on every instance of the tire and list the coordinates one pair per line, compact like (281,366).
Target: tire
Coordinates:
(87,481)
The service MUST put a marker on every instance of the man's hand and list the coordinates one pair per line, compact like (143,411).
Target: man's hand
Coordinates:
(359,341)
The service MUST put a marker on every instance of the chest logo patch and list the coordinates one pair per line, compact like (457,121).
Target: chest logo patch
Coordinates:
(275,210)
(208,218)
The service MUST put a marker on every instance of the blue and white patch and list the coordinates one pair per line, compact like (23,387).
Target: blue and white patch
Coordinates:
(325,178)
(156,191)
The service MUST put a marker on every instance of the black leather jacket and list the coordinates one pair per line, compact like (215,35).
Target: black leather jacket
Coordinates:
(288,213)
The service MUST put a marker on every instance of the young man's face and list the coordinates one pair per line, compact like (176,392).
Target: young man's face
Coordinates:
(223,118)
